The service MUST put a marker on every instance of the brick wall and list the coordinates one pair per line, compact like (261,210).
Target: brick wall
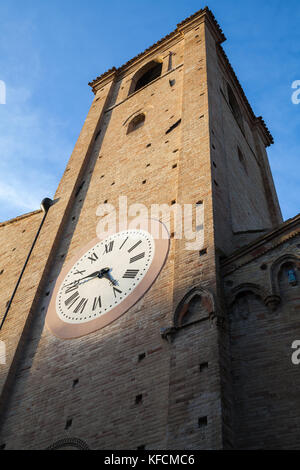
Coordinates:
(263,322)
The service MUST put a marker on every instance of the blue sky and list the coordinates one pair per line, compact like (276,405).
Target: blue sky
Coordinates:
(51,49)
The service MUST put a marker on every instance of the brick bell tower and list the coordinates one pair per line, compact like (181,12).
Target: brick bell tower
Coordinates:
(171,125)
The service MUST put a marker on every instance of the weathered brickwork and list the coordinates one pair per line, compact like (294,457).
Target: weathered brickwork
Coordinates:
(263,308)
(161,375)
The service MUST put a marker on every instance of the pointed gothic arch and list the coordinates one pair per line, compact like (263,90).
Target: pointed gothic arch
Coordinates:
(197,304)
(277,266)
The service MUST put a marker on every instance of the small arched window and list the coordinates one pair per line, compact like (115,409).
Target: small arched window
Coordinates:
(235,107)
(145,75)
(287,276)
(136,123)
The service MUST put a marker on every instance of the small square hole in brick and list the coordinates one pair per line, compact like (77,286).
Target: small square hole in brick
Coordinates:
(142,356)
(203,367)
(199,203)
(138,399)
(144,182)
(75,382)
(173,202)
(174,166)
(68,423)
(202,422)
(148,145)
(203,252)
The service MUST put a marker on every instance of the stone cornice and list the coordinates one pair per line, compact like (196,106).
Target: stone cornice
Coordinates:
(256,121)
(177,34)
(207,15)
(20,217)
(103,80)
(271,240)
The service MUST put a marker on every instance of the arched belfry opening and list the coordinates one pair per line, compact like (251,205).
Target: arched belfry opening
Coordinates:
(145,75)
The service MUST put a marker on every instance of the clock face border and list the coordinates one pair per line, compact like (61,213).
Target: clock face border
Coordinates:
(65,330)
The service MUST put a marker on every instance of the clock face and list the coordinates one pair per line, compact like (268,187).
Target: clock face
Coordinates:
(104,280)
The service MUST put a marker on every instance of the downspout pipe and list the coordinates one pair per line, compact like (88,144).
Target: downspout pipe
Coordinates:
(45,206)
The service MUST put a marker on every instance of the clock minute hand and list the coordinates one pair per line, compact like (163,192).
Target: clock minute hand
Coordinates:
(92,275)
(95,274)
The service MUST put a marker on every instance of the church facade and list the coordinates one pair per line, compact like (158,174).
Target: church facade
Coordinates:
(197,353)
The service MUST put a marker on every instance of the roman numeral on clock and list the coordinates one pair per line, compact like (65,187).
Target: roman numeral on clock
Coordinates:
(134,246)
(80,272)
(116,290)
(123,243)
(109,247)
(131,273)
(137,257)
(71,300)
(81,306)
(93,257)
(97,302)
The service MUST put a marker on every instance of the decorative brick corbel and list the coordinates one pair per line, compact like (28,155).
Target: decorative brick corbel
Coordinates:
(217,319)
(272,302)
(168,333)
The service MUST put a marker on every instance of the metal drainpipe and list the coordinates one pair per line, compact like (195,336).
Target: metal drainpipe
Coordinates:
(45,205)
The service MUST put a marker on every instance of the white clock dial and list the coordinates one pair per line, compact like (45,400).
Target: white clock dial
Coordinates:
(104,276)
